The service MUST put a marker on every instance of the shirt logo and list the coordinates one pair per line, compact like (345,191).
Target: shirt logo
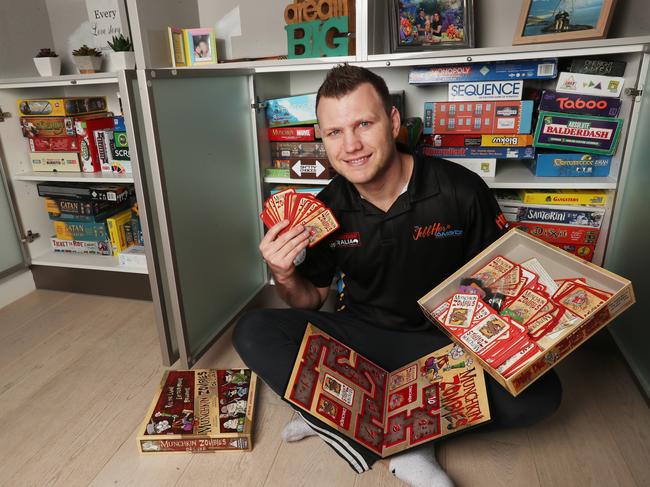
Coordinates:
(346,240)
(435,230)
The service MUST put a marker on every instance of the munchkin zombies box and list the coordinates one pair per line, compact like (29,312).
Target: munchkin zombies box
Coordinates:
(200,410)
(387,412)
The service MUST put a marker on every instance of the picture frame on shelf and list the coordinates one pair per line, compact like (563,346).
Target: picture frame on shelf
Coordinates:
(428,25)
(564,20)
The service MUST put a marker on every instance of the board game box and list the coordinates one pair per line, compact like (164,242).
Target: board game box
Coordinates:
(563,196)
(291,134)
(485,90)
(570,165)
(492,117)
(387,412)
(70,143)
(522,305)
(602,67)
(292,110)
(600,106)
(480,152)
(55,161)
(54,126)
(485,140)
(62,106)
(590,84)
(496,71)
(200,410)
(586,216)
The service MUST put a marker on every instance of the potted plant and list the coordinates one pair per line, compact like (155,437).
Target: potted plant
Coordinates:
(122,56)
(48,62)
(87,59)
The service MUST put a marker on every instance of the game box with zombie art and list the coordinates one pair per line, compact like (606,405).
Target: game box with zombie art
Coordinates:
(387,412)
(200,410)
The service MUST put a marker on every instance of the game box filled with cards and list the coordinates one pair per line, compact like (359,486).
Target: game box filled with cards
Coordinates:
(200,410)
(522,305)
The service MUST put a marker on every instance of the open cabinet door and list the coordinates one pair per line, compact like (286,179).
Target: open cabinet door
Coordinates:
(205,182)
(627,249)
(12,251)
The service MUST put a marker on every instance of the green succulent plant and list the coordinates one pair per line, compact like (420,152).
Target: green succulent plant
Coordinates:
(46,52)
(121,43)
(86,51)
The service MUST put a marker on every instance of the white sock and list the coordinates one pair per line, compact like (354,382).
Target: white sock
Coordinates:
(419,468)
(297,429)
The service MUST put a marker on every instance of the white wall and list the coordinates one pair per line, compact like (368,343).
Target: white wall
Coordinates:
(15,287)
(24,30)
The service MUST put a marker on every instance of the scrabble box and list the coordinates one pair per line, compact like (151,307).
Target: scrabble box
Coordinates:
(517,247)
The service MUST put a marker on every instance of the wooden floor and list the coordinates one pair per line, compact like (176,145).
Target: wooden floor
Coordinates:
(77,373)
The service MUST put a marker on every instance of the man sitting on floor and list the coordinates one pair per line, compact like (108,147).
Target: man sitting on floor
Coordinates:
(389,200)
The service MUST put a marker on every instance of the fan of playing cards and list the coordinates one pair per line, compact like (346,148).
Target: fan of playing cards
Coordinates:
(299,209)
(504,312)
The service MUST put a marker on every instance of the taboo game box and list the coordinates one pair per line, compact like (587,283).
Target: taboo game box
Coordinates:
(387,412)
(200,410)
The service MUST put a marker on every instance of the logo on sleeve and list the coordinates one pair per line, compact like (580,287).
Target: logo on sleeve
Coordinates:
(346,240)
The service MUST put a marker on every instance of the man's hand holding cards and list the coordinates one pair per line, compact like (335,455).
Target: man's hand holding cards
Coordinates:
(300,210)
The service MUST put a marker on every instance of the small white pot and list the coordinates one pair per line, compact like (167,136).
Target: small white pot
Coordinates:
(122,60)
(88,64)
(48,66)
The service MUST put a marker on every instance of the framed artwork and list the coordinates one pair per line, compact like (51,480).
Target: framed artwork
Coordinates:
(428,25)
(563,20)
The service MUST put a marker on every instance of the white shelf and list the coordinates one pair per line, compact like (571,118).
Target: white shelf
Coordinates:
(273,180)
(75,177)
(85,261)
(65,80)
(514,174)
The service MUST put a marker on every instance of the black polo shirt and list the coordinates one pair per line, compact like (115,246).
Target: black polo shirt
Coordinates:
(389,260)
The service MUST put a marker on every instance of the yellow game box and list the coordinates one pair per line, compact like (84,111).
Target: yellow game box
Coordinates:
(563,197)
(62,107)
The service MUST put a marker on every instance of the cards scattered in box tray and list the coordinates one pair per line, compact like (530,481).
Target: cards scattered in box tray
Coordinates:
(504,310)
(300,209)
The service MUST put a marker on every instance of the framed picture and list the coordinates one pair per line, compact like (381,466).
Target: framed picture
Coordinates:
(563,20)
(428,25)
(200,46)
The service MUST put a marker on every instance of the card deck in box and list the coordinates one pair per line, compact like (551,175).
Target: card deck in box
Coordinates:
(201,410)
(605,296)
(55,161)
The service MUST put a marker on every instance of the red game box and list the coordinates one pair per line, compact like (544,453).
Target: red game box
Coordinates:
(481,117)
(560,234)
(200,410)
(69,143)
(90,160)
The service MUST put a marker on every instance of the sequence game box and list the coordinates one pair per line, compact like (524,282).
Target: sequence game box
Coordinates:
(200,410)
(387,412)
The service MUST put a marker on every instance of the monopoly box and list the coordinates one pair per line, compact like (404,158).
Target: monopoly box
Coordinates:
(517,247)
(570,165)
(62,106)
(293,110)
(600,106)
(596,135)
(496,71)
(498,117)
(590,84)
(55,161)
(201,410)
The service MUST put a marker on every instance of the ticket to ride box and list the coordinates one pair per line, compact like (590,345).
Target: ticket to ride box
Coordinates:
(517,246)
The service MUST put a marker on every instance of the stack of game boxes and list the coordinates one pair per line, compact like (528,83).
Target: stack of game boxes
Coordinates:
(92,219)
(293,130)
(578,128)
(568,219)
(484,118)
(74,135)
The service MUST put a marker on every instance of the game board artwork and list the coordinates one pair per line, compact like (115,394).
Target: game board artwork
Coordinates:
(446,394)
(441,393)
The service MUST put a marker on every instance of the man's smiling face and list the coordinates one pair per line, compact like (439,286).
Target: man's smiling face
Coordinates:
(358,134)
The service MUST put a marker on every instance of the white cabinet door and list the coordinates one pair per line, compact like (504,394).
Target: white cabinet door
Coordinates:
(627,248)
(204,178)
(12,251)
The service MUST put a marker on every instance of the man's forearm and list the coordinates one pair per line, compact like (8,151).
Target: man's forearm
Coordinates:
(298,292)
